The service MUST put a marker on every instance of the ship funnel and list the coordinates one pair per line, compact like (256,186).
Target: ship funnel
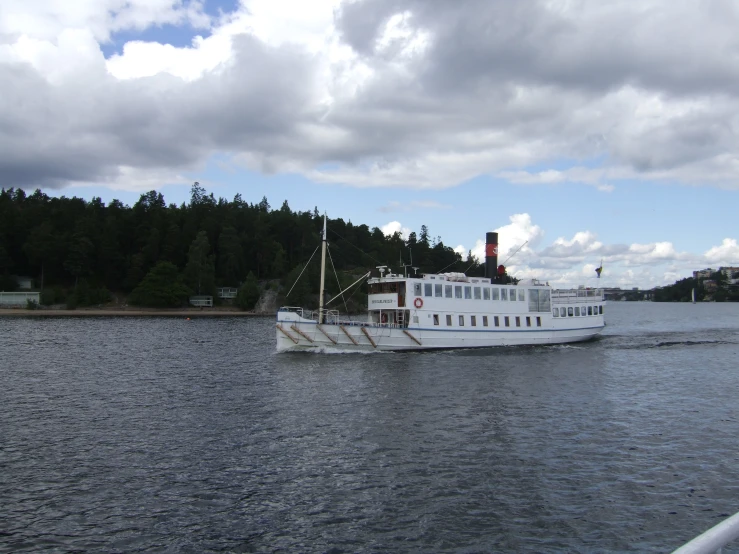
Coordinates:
(491,256)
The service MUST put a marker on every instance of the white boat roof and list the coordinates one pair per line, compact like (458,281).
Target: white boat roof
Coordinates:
(453,278)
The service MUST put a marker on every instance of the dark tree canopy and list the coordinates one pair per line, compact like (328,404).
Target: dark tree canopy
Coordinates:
(209,242)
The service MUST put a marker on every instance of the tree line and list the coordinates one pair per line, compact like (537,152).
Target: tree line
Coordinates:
(80,252)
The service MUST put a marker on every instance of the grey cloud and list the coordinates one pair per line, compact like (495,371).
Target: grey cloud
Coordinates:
(594,46)
(83,131)
(502,83)
(572,65)
(360,22)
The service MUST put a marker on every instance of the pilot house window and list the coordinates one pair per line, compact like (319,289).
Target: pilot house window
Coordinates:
(427,289)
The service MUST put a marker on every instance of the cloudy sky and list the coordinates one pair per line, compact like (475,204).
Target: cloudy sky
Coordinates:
(593,130)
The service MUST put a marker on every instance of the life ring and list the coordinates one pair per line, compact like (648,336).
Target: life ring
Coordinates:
(418,302)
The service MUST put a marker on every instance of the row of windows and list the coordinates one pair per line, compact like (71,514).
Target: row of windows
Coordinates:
(496,320)
(468,292)
(577,311)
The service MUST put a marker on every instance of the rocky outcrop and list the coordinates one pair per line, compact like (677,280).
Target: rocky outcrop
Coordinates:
(267,303)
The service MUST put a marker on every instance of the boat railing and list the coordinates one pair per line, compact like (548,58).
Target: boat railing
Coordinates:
(713,540)
(330,317)
(305,314)
(578,295)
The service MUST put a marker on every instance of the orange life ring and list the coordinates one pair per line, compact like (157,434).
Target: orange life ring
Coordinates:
(418,302)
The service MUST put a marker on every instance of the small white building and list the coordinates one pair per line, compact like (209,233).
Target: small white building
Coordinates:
(227,292)
(18,299)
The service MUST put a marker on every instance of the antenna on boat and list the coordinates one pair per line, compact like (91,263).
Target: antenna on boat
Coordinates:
(415,270)
(321,306)
(382,269)
(406,266)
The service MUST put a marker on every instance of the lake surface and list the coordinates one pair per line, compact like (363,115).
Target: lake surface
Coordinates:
(163,434)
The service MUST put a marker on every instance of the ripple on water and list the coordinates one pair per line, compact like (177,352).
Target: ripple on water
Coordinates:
(161,434)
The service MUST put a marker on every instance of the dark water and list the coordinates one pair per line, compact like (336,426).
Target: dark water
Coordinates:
(123,435)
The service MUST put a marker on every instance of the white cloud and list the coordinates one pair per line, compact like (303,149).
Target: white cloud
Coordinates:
(572,262)
(515,241)
(521,230)
(727,253)
(393,227)
(74,54)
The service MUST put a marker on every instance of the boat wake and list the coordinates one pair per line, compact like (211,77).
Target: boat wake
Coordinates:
(714,337)
(331,350)
(689,343)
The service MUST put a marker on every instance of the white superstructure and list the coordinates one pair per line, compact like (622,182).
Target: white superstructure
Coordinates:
(449,311)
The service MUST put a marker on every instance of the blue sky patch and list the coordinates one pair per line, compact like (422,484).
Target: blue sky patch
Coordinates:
(178,36)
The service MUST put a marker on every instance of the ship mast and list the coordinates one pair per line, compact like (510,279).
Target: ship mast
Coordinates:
(323,273)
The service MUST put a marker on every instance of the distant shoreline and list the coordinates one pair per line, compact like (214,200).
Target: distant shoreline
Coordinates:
(128,312)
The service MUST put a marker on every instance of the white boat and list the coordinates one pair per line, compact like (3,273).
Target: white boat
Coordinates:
(446,311)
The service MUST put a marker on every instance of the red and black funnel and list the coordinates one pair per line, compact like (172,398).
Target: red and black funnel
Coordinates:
(491,255)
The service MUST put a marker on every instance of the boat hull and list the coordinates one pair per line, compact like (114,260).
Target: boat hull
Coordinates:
(295,333)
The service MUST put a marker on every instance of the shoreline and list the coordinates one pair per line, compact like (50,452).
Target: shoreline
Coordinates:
(128,312)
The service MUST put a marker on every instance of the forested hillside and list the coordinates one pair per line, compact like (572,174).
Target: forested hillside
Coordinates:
(681,291)
(84,250)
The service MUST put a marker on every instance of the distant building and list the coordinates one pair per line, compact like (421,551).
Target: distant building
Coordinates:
(729,271)
(703,274)
(202,301)
(227,292)
(710,285)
